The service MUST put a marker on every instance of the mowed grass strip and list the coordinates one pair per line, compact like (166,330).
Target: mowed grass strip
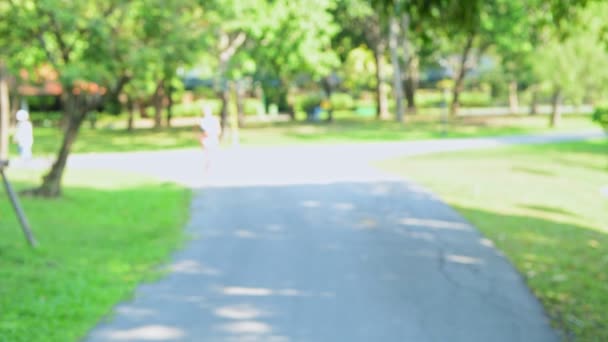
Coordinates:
(106,234)
(347,128)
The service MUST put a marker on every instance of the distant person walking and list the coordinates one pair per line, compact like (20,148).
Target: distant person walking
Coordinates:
(24,134)
(210,136)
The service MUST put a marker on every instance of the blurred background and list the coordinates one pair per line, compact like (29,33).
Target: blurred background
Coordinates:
(102,77)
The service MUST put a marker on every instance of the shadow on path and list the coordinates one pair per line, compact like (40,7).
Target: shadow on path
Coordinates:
(376,261)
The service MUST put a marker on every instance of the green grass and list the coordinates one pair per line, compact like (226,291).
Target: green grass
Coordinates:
(542,206)
(345,129)
(48,140)
(348,129)
(105,235)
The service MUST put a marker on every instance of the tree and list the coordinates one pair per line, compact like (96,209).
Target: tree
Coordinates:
(297,41)
(230,26)
(361,25)
(76,39)
(164,41)
(89,45)
(574,67)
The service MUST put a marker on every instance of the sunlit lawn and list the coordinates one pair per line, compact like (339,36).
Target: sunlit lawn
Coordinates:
(542,206)
(346,128)
(107,233)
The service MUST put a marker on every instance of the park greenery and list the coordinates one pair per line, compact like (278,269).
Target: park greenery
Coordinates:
(291,57)
(111,232)
(118,75)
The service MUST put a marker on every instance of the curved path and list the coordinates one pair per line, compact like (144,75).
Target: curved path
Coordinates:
(314,244)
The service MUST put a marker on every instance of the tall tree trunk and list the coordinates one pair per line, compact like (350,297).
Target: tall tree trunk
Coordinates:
(158,104)
(513,98)
(260,96)
(410,84)
(393,46)
(75,111)
(267,96)
(225,97)
(556,110)
(459,82)
(143,109)
(409,67)
(239,92)
(283,102)
(169,93)
(131,106)
(328,88)
(381,99)
(534,100)
(15,103)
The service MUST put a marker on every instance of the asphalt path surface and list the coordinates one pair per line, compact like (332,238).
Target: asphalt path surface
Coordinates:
(312,243)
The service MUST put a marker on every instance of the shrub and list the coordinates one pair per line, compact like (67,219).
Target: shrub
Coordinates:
(308,103)
(600,116)
(251,106)
(342,101)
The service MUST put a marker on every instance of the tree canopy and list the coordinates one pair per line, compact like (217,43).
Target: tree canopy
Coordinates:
(103,52)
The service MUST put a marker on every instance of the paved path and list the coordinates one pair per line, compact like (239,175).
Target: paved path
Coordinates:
(313,244)
(287,165)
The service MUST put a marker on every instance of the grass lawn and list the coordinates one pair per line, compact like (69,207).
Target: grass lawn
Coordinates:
(348,129)
(543,207)
(104,236)
(345,129)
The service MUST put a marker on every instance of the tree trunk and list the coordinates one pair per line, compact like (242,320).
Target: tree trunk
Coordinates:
(556,110)
(397,90)
(534,101)
(328,88)
(267,101)
(259,95)
(169,92)
(513,98)
(225,97)
(459,82)
(381,99)
(15,102)
(131,107)
(143,109)
(75,112)
(410,64)
(410,84)
(158,105)
(239,93)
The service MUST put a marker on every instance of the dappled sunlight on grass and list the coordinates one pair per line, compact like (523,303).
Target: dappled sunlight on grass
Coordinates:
(542,206)
(346,129)
(96,243)
(48,140)
(417,127)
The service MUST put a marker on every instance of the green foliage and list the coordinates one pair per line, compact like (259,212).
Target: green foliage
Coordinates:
(106,235)
(296,41)
(358,70)
(307,103)
(342,101)
(600,116)
(578,64)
